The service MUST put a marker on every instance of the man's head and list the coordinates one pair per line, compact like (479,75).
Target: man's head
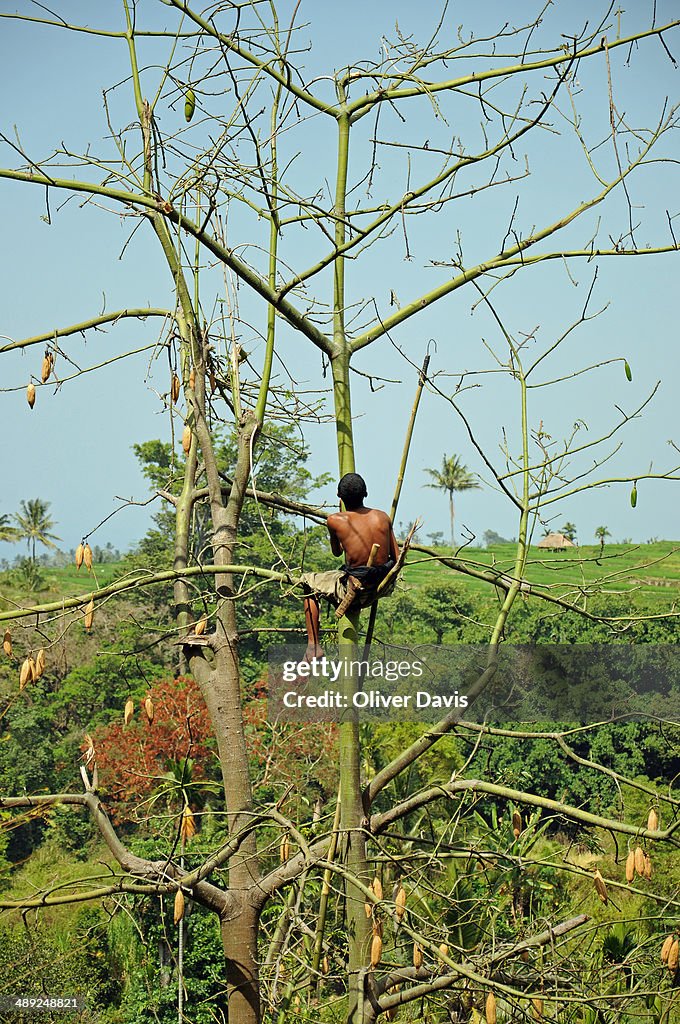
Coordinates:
(352,491)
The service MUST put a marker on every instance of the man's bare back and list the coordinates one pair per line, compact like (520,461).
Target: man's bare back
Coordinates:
(355,532)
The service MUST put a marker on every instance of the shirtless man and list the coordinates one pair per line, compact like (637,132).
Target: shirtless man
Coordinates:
(352,532)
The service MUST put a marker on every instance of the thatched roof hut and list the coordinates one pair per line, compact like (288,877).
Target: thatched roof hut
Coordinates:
(556,542)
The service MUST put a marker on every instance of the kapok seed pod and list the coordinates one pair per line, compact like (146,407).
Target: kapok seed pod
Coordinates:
(89,752)
(490,1009)
(600,887)
(46,368)
(377,888)
(666,948)
(673,956)
(178,910)
(284,849)
(80,554)
(368,909)
(629,372)
(7,643)
(376,950)
(647,873)
(26,672)
(174,388)
(212,380)
(325,966)
(192,378)
(186,439)
(187,828)
(633,496)
(444,949)
(129,710)
(30,394)
(189,104)
(417,955)
(39,663)
(652,820)
(537,1005)
(149,710)
(89,614)
(516,824)
(630,866)
(201,625)
(400,902)
(87,557)
(639,860)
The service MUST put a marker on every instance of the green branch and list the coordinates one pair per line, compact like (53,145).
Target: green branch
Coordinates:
(361,106)
(85,325)
(503,259)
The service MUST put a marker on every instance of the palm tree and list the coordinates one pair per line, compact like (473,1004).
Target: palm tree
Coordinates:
(34,524)
(452,477)
(601,532)
(569,531)
(8,532)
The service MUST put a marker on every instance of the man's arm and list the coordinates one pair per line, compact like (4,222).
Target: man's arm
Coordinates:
(336,546)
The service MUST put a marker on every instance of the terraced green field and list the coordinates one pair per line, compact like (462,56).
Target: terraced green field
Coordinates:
(651,571)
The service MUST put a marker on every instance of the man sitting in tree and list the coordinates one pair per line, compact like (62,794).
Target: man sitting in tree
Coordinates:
(353,532)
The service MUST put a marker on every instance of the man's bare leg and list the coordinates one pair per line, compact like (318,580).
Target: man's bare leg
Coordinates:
(314,649)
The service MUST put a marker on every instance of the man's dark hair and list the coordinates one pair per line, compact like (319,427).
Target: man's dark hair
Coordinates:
(352,490)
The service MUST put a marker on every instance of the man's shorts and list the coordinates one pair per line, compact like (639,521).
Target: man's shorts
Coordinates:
(333,586)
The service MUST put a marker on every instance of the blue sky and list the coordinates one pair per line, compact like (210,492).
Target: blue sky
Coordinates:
(74,448)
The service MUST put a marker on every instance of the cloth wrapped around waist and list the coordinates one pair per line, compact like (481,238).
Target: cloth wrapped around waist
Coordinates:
(370,576)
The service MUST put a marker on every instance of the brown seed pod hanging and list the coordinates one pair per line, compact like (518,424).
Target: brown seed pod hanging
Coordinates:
(284,849)
(377,888)
(186,439)
(148,709)
(7,643)
(325,966)
(652,820)
(26,673)
(212,380)
(400,903)
(490,1009)
(417,955)
(128,711)
(376,951)
(516,824)
(201,626)
(192,378)
(187,828)
(666,948)
(673,956)
(30,394)
(80,554)
(89,614)
(87,557)
(39,663)
(174,388)
(647,873)
(639,860)
(46,368)
(630,866)
(600,887)
(444,949)
(368,909)
(178,910)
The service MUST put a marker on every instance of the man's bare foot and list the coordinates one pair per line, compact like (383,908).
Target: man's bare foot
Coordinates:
(313,651)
